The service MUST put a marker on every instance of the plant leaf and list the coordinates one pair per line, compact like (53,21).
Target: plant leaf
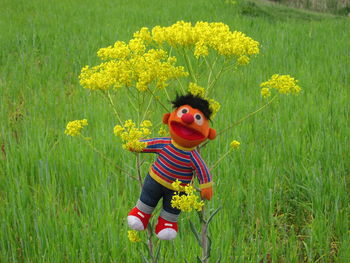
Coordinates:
(194,231)
(158,253)
(213,214)
(144,259)
(219,259)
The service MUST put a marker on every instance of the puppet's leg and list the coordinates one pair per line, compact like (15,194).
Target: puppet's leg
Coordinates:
(166,228)
(139,216)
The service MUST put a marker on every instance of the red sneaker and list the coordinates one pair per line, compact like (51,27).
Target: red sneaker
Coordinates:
(137,219)
(166,230)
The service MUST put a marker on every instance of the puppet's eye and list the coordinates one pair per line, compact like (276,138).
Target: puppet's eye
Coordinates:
(198,119)
(182,111)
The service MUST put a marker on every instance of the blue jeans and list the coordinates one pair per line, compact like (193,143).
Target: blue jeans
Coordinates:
(152,192)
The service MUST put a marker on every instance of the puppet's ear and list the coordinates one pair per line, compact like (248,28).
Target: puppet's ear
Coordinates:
(212,134)
(166,117)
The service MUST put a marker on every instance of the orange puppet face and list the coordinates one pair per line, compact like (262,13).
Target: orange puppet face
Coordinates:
(188,126)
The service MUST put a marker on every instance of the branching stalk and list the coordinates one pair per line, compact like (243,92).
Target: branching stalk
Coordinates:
(247,116)
(182,88)
(204,236)
(189,65)
(157,99)
(109,99)
(106,158)
(220,159)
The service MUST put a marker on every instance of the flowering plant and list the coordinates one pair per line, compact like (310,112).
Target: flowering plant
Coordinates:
(147,70)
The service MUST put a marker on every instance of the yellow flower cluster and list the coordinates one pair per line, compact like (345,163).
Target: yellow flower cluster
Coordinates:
(162,132)
(204,35)
(74,128)
(214,106)
(131,135)
(185,202)
(197,90)
(235,144)
(131,64)
(284,84)
(133,236)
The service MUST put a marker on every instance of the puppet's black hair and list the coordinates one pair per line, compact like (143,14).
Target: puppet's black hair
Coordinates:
(194,101)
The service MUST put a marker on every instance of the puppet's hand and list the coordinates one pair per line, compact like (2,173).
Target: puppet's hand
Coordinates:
(207,193)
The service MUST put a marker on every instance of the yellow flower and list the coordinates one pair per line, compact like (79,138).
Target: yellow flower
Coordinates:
(143,34)
(196,90)
(201,49)
(235,144)
(204,36)
(133,236)
(265,92)
(185,202)
(146,123)
(74,128)
(118,130)
(120,50)
(214,106)
(162,132)
(284,84)
(243,60)
(176,185)
(131,65)
(131,135)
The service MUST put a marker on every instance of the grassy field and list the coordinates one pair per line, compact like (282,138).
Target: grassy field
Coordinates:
(285,193)
(333,6)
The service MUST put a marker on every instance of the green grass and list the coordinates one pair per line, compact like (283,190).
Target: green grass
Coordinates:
(285,194)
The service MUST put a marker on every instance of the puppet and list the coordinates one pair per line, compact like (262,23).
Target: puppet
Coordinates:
(177,159)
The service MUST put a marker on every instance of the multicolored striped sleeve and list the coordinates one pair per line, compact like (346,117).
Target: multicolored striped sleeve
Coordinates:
(202,171)
(154,145)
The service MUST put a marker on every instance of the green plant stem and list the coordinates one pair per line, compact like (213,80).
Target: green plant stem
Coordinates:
(211,71)
(220,159)
(247,116)
(189,65)
(182,88)
(204,238)
(157,99)
(138,169)
(212,84)
(130,99)
(109,99)
(106,158)
(138,107)
(167,94)
(149,104)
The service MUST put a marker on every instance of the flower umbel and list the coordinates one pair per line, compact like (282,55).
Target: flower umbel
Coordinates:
(284,84)
(133,236)
(74,128)
(162,132)
(196,90)
(235,144)
(187,200)
(204,36)
(131,135)
(214,106)
(131,65)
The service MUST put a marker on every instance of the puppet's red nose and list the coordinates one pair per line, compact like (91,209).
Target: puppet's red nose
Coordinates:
(187,118)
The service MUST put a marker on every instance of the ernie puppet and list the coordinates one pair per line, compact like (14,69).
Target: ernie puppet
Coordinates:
(177,159)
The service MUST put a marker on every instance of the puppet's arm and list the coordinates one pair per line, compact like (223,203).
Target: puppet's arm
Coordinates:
(203,174)
(154,145)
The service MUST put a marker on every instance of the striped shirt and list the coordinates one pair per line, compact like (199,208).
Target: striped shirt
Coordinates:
(176,162)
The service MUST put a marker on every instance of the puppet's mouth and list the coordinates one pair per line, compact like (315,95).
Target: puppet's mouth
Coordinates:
(186,132)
